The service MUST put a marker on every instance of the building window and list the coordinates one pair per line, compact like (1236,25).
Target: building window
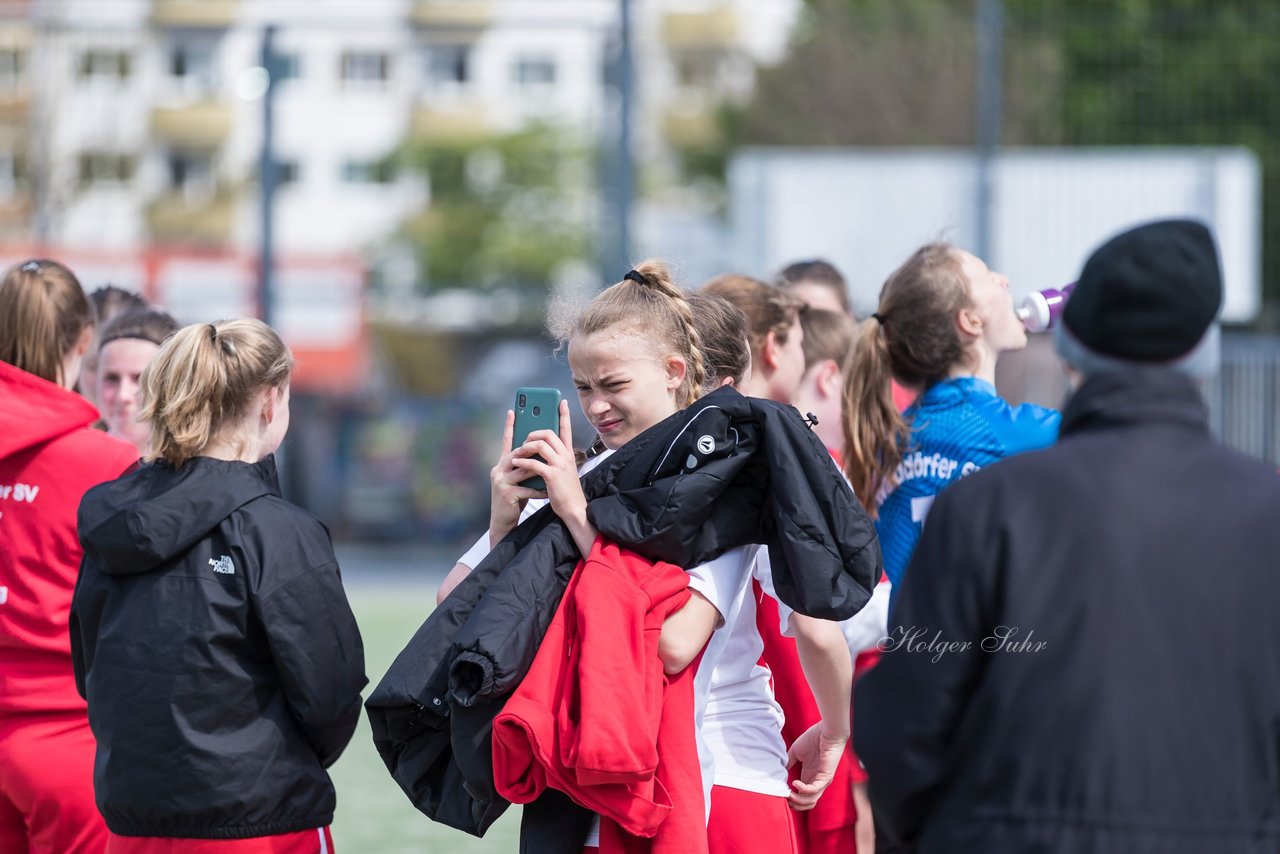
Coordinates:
(365,69)
(289,67)
(192,69)
(191,176)
(698,72)
(105,167)
(13,173)
(448,67)
(367,172)
(534,72)
(12,65)
(105,65)
(287,172)
(534,78)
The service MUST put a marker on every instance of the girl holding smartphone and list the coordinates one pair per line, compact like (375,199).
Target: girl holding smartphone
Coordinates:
(637,356)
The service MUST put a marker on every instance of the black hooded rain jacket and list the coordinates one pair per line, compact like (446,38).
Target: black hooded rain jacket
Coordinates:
(212,638)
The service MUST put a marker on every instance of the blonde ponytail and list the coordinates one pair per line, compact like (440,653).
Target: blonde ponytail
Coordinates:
(203,381)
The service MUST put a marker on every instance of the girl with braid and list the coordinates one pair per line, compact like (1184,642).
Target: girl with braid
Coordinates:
(638,355)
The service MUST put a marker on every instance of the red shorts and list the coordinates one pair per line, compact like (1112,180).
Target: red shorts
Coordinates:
(749,823)
(317,841)
(46,785)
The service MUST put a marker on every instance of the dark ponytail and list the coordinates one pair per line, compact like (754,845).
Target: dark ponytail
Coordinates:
(911,337)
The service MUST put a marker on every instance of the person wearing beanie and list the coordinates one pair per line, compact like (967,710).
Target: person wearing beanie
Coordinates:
(1148,297)
(1087,658)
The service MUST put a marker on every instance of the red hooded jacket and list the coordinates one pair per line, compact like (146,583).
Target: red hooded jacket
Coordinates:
(598,719)
(49,457)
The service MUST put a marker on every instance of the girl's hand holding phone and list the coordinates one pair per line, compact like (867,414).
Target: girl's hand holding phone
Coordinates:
(558,467)
(506,496)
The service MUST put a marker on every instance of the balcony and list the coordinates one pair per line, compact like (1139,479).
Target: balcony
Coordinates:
(171,218)
(690,128)
(204,125)
(15,108)
(15,214)
(200,14)
(452,14)
(715,28)
(433,124)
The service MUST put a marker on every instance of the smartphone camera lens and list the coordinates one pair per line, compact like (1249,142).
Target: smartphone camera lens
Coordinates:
(537,410)
(522,401)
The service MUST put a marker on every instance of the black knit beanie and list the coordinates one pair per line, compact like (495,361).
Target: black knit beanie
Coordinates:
(1149,294)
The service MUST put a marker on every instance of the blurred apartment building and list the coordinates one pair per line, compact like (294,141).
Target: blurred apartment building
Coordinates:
(131,125)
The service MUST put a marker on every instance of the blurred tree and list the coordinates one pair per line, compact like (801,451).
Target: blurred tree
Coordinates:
(1087,72)
(508,210)
(1172,72)
(889,72)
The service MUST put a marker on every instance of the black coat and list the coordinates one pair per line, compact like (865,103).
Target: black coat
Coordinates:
(1126,583)
(725,472)
(212,638)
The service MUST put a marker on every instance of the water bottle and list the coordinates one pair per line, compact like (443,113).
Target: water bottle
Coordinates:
(1040,310)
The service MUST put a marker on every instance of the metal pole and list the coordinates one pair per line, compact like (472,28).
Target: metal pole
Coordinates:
(624,186)
(39,162)
(267,180)
(990,27)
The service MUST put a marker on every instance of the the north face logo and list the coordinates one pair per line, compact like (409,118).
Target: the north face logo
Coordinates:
(223,565)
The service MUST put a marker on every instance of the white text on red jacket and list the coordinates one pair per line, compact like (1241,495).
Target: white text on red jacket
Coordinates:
(19,492)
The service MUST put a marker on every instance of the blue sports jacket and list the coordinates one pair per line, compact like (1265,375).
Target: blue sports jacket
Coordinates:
(959,426)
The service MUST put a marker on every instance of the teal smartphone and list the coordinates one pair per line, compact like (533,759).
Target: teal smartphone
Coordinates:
(536,409)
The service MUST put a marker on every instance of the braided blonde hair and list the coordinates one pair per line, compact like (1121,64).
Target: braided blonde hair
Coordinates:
(648,302)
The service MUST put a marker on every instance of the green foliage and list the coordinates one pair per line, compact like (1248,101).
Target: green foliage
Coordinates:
(1145,72)
(1083,72)
(507,210)
(1170,72)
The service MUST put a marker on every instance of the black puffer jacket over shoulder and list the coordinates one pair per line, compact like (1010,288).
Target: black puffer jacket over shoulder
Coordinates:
(725,472)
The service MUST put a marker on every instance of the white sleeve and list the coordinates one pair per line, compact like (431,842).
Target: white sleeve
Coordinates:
(720,580)
(476,553)
(481,549)
(869,626)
